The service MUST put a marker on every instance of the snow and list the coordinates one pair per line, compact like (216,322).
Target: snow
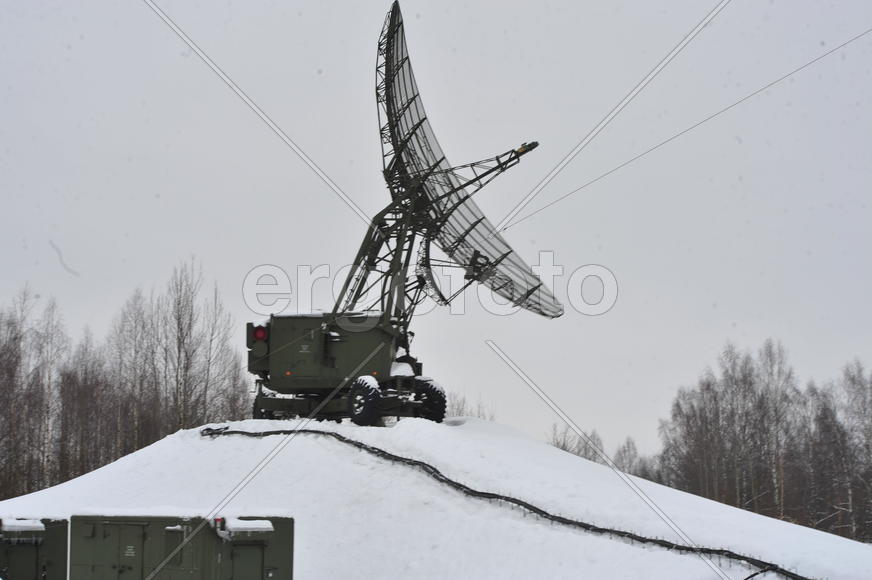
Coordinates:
(433,384)
(365,380)
(234,525)
(352,507)
(402,369)
(22,525)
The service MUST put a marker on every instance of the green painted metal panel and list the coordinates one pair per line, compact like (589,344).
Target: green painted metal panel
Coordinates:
(247,561)
(305,356)
(132,548)
(33,553)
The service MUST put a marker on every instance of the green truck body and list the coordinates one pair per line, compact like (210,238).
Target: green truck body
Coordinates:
(332,367)
(305,354)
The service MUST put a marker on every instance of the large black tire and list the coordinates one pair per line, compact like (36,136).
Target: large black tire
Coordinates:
(364,401)
(432,398)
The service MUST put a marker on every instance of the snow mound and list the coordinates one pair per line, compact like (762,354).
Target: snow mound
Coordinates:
(351,507)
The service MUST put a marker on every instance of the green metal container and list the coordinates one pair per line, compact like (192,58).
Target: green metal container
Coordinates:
(135,548)
(305,354)
(132,548)
(33,549)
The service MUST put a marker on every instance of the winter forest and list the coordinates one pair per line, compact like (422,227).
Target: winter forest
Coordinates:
(167,363)
(747,434)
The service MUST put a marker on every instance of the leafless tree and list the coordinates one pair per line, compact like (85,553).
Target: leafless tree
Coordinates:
(749,437)
(132,356)
(589,447)
(457,405)
(168,362)
(626,458)
(180,346)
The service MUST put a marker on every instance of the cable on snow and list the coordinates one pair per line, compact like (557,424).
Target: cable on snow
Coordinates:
(434,473)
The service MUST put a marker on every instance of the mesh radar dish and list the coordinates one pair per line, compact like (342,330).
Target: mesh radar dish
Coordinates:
(356,362)
(414,163)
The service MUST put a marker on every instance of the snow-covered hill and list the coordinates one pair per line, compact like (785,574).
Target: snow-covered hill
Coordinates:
(363,517)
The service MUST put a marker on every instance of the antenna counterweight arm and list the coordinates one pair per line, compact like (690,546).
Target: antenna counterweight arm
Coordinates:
(493,167)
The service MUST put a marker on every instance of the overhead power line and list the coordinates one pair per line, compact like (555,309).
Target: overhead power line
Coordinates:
(690,128)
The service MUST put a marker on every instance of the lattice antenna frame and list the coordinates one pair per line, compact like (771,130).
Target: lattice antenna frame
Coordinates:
(431,203)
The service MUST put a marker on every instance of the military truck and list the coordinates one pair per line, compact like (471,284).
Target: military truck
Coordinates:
(356,361)
(358,358)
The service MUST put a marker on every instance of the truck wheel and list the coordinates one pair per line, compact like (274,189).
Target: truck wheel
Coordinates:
(432,398)
(364,400)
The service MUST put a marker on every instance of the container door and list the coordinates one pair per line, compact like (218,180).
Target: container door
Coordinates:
(307,351)
(247,562)
(22,561)
(130,552)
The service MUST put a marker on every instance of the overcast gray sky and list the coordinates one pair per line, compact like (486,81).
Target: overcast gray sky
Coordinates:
(119,146)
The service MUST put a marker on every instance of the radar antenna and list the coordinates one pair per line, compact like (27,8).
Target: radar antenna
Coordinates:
(431,203)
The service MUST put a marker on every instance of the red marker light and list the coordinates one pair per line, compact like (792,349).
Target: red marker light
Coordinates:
(260,333)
